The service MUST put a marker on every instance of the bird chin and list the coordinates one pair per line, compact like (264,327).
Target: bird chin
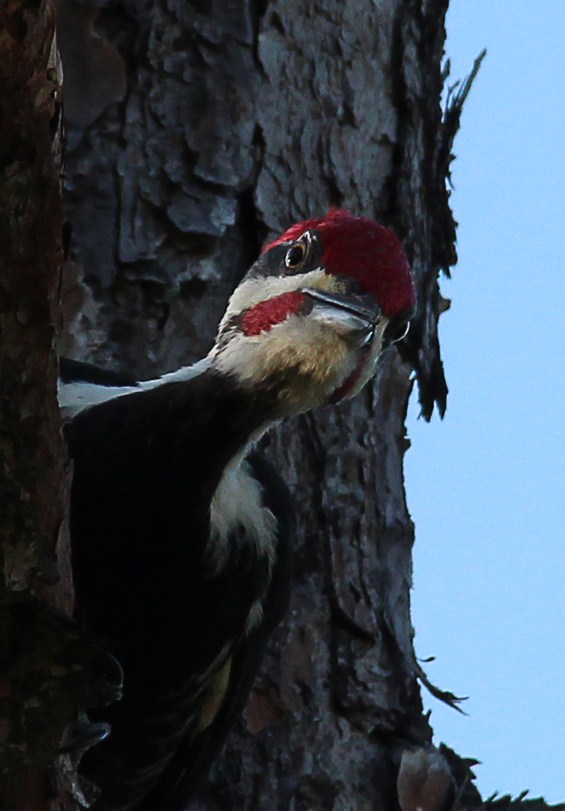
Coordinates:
(355,381)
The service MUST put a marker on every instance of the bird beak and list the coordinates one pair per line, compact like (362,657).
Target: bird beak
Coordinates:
(344,313)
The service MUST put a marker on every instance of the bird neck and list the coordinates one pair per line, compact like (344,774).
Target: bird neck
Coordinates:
(213,415)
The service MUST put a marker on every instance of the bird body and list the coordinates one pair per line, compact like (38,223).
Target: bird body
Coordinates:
(183,534)
(180,531)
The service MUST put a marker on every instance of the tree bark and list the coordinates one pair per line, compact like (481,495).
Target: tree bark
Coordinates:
(44,665)
(225,123)
(196,130)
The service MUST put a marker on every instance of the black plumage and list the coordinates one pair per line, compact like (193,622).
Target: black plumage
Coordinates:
(145,582)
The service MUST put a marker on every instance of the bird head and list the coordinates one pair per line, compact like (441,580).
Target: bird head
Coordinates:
(312,315)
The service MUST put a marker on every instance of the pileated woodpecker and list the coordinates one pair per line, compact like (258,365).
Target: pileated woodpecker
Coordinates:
(180,531)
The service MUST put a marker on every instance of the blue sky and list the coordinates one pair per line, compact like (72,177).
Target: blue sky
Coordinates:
(486,487)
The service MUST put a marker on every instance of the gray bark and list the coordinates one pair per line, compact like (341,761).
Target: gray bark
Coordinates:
(222,123)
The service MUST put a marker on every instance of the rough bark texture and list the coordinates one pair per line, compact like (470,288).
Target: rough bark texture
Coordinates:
(31,255)
(44,666)
(223,123)
(195,130)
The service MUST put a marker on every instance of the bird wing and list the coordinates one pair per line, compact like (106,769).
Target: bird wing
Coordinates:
(229,688)
(138,533)
(82,385)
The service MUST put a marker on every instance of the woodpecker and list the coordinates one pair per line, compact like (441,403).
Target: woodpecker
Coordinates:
(180,531)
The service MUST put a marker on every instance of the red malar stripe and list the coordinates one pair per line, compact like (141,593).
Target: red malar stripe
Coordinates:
(273,311)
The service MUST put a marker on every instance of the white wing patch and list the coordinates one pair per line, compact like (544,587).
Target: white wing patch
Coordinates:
(79,395)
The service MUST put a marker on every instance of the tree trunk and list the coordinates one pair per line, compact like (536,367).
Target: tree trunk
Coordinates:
(44,665)
(196,130)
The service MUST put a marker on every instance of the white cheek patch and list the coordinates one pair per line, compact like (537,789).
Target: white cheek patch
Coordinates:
(304,359)
(253,359)
(254,291)
(300,361)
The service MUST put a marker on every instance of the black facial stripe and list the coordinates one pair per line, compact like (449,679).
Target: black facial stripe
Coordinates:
(272,263)
(269,263)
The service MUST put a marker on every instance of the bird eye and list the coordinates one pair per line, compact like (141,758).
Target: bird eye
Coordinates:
(295,255)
